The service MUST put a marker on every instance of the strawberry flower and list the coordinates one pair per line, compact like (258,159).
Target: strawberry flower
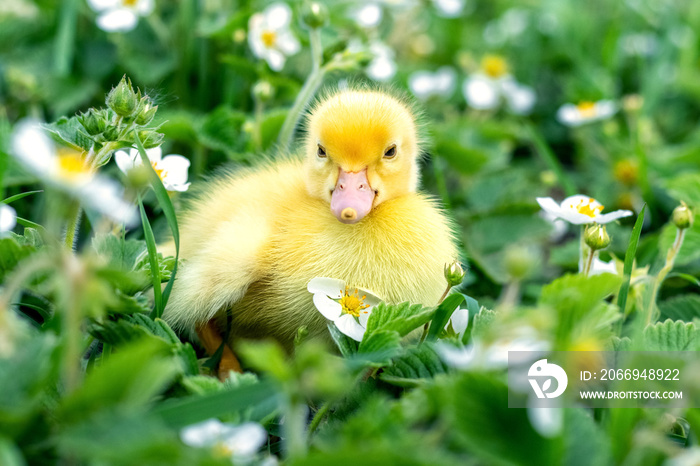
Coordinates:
(172,169)
(580,210)
(120,15)
(269,35)
(238,442)
(585,112)
(348,308)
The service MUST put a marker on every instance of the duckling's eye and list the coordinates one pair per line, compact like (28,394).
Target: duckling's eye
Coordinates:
(390,152)
(321,152)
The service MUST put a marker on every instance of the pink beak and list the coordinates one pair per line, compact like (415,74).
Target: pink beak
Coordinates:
(352,197)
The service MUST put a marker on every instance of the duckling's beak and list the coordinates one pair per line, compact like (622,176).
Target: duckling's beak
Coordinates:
(352,196)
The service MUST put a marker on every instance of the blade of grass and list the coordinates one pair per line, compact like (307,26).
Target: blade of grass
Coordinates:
(28,223)
(182,412)
(629,260)
(169,211)
(443,314)
(152,259)
(19,196)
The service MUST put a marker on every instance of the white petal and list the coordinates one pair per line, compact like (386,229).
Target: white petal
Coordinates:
(154,155)
(449,8)
(422,84)
(275,59)
(481,93)
(105,196)
(124,161)
(576,218)
(547,422)
(370,297)
(117,20)
(99,5)
(8,218)
(520,99)
(328,286)
(287,43)
(246,439)
(458,358)
(611,216)
(571,202)
(202,434)
(330,309)
(381,69)
(369,15)
(459,320)
(599,267)
(549,205)
(349,326)
(278,15)
(255,28)
(33,147)
(175,168)
(569,115)
(605,109)
(445,81)
(144,7)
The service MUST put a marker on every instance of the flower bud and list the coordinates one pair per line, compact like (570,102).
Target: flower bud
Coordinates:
(454,274)
(263,91)
(596,236)
(682,216)
(122,99)
(150,139)
(145,111)
(632,103)
(519,262)
(314,14)
(93,122)
(111,133)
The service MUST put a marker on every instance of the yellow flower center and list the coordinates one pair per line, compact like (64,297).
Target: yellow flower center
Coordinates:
(159,171)
(494,66)
(221,450)
(71,164)
(585,208)
(586,108)
(130,3)
(269,38)
(626,171)
(353,304)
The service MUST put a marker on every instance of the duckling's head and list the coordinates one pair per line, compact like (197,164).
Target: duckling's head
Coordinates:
(362,149)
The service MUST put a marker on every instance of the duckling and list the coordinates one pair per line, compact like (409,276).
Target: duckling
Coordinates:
(347,208)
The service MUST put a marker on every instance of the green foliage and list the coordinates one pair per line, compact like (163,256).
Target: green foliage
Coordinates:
(671,336)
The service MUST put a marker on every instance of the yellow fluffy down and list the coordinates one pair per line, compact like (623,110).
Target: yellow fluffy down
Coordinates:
(253,240)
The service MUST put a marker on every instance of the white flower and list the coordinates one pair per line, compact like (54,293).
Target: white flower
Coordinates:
(547,422)
(348,308)
(585,112)
(120,15)
(688,457)
(493,356)
(269,36)
(599,267)
(383,65)
(580,210)
(67,169)
(425,84)
(449,8)
(486,89)
(172,169)
(459,320)
(368,16)
(8,218)
(237,441)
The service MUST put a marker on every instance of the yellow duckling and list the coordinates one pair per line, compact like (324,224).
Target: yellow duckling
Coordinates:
(348,209)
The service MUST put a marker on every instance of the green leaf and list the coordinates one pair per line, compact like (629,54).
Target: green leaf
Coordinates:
(442,314)
(402,318)
(153,260)
(629,260)
(19,196)
(11,254)
(70,132)
(129,378)
(671,336)
(377,348)
(169,211)
(345,344)
(685,187)
(684,307)
(585,442)
(222,130)
(415,365)
(482,322)
(185,411)
(120,253)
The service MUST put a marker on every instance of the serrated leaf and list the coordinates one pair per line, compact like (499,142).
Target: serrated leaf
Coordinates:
(69,131)
(377,348)
(11,254)
(346,345)
(402,318)
(120,253)
(684,307)
(418,363)
(671,336)
(482,321)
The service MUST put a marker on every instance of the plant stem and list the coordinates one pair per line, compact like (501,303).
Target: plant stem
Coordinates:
(318,417)
(294,428)
(582,250)
(661,276)
(73,225)
(307,92)
(589,261)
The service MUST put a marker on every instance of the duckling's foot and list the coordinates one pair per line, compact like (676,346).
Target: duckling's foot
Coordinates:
(211,340)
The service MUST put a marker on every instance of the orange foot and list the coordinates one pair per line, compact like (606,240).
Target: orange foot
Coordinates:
(211,340)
